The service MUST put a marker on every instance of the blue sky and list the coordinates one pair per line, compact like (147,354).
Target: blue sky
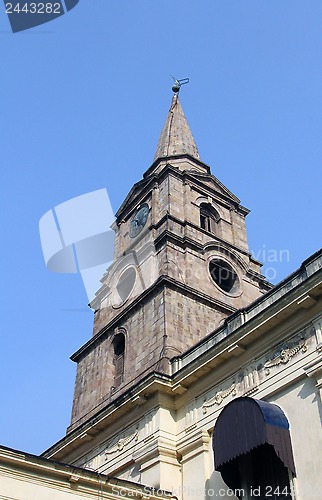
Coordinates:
(83,101)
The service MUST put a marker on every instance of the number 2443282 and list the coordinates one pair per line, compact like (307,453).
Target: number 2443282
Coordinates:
(33,8)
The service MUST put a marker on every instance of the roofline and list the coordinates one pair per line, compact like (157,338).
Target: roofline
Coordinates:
(162,281)
(72,472)
(167,159)
(243,311)
(240,327)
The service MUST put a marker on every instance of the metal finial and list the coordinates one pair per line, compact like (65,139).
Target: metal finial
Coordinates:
(177,84)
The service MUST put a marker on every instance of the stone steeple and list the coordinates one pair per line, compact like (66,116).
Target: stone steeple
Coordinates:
(176,137)
(181,266)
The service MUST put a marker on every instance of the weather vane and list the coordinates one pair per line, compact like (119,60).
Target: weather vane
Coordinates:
(177,84)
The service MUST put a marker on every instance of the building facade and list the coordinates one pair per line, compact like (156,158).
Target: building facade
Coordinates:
(201,379)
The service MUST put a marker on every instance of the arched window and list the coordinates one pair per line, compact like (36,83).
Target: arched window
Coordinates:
(119,351)
(208,218)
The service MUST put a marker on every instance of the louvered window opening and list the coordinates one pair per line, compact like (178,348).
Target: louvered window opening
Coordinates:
(119,351)
(207,218)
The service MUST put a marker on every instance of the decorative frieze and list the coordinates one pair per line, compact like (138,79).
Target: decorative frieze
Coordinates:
(106,452)
(248,380)
(121,444)
(219,397)
(285,355)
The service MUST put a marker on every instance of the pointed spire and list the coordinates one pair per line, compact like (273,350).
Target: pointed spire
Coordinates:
(176,137)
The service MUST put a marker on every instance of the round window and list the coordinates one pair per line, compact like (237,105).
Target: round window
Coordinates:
(223,275)
(125,283)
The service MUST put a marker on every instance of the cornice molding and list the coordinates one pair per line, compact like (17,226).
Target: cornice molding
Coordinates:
(161,282)
(240,331)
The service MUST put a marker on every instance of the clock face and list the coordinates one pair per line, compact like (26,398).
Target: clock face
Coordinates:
(139,220)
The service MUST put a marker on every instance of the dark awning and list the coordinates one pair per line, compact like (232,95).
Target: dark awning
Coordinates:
(246,423)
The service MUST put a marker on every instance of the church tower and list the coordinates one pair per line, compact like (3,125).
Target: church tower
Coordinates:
(181,266)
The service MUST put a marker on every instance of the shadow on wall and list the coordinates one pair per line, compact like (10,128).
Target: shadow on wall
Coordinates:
(308,390)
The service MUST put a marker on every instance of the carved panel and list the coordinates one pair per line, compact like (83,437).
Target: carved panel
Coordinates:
(249,379)
(122,444)
(219,397)
(105,452)
(285,354)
